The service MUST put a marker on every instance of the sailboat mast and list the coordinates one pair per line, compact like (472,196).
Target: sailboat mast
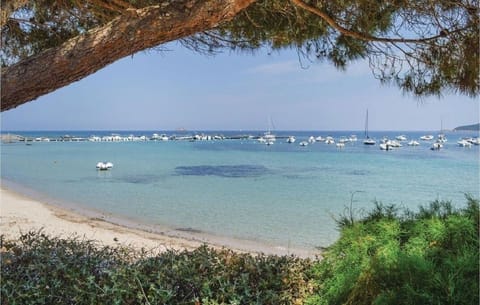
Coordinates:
(366,126)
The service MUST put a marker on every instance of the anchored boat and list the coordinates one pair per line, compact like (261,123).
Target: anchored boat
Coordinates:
(103,166)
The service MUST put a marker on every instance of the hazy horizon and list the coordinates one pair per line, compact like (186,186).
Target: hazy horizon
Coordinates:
(228,130)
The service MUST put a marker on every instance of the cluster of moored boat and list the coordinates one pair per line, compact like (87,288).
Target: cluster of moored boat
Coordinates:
(385,143)
(269,138)
(436,145)
(154,137)
(327,140)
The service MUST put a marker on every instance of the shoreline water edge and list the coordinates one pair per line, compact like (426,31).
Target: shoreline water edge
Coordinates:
(224,188)
(22,212)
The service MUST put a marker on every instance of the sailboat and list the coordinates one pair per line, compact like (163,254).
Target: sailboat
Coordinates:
(368,140)
(269,136)
(441,138)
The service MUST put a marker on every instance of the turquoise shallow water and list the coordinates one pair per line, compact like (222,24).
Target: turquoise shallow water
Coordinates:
(284,195)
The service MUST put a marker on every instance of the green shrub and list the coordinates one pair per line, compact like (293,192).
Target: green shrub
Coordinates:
(38,269)
(429,257)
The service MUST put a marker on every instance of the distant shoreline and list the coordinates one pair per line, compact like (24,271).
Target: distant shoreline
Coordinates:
(473,127)
(21,214)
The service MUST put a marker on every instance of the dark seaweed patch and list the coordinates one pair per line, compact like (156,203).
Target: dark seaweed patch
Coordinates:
(230,171)
(140,179)
(189,230)
(359,172)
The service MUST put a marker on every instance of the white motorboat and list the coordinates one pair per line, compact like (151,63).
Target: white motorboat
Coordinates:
(311,139)
(385,146)
(340,145)
(436,146)
(329,140)
(426,138)
(464,143)
(394,143)
(157,137)
(303,143)
(291,139)
(319,139)
(413,143)
(389,144)
(401,138)
(104,166)
(94,139)
(475,141)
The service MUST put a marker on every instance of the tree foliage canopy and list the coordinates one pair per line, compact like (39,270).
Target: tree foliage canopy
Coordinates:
(426,47)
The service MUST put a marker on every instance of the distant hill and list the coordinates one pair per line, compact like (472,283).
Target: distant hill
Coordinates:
(468,127)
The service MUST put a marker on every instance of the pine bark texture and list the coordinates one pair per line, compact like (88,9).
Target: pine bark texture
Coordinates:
(133,31)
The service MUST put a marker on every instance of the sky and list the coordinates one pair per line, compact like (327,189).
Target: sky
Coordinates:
(178,88)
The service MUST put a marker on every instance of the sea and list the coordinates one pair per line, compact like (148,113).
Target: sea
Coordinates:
(237,189)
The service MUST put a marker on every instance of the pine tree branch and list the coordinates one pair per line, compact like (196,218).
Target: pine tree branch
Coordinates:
(126,34)
(367,37)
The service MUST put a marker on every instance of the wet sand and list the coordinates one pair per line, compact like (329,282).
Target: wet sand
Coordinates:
(21,214)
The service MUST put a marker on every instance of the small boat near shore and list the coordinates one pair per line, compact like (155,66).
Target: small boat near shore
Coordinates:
(103,166)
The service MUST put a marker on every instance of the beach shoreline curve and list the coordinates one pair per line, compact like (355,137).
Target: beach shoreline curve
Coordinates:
(20,214)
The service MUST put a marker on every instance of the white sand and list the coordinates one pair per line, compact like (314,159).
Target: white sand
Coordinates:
(20,214)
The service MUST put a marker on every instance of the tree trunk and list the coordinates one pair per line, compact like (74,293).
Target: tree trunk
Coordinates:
(127,34)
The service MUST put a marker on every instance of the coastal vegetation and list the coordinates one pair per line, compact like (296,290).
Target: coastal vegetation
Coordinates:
(387,256)
(424,47)
(468,127)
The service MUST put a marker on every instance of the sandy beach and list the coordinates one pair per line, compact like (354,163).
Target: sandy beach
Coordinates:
(20,214)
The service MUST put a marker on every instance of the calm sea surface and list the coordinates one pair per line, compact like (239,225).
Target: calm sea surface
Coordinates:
(283,195)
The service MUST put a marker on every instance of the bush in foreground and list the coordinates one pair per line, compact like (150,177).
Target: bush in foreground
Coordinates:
(38,269)
(429,257)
